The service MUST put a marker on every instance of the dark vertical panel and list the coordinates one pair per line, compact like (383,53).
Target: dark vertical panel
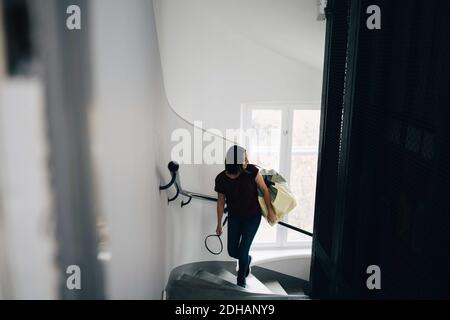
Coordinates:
(393,200)
(391,193)
(330,131)
(437,148)
(17,36)
(362,127)
(338,285)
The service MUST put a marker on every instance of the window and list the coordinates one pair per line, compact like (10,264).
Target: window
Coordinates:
(286,139)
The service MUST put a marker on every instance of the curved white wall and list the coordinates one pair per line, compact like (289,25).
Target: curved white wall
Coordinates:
(131,125)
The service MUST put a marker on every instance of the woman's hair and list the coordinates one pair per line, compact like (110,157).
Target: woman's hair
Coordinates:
(234,159)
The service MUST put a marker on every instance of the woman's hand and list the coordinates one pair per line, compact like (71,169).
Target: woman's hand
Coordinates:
(272,217)
(219,230)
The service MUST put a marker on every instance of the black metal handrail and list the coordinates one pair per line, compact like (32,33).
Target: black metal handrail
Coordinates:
(290,226)
(175,180)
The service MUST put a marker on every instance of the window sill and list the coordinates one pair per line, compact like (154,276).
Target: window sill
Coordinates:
(263,255)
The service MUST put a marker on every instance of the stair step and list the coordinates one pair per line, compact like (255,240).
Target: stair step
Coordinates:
(188,287)
(226,275)
(275,287)
(290,284)
(215,279)
(185,291)
(253,284)
(195,289)
(192,281)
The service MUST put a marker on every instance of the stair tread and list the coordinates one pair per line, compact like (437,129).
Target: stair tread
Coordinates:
(204,284)
(275,287)
(253,284)
(290,284)
(183,291)
(208,276)
(188,287)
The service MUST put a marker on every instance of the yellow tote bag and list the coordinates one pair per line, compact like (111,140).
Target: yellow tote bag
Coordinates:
(282,199)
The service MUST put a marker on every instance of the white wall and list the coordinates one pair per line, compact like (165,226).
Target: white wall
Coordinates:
(217,55)
(131,126)
(27,253)
(126,150)
(188,227)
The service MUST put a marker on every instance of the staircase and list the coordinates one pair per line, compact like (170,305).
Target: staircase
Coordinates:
(216,280)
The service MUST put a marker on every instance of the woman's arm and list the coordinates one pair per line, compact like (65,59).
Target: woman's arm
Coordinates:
(262,186)
(220,209)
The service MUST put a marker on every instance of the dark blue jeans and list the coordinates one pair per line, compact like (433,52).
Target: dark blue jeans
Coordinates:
(241,231)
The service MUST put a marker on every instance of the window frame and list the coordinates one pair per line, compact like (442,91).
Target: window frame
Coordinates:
(287,116)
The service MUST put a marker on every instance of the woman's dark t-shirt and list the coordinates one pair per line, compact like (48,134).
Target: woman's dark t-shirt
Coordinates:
(241,193)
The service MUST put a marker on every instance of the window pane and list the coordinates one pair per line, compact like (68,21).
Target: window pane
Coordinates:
(305,143)
(264,151)
(306,126)
(303,177)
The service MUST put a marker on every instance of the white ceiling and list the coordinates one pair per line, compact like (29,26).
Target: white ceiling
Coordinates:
(289,27)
